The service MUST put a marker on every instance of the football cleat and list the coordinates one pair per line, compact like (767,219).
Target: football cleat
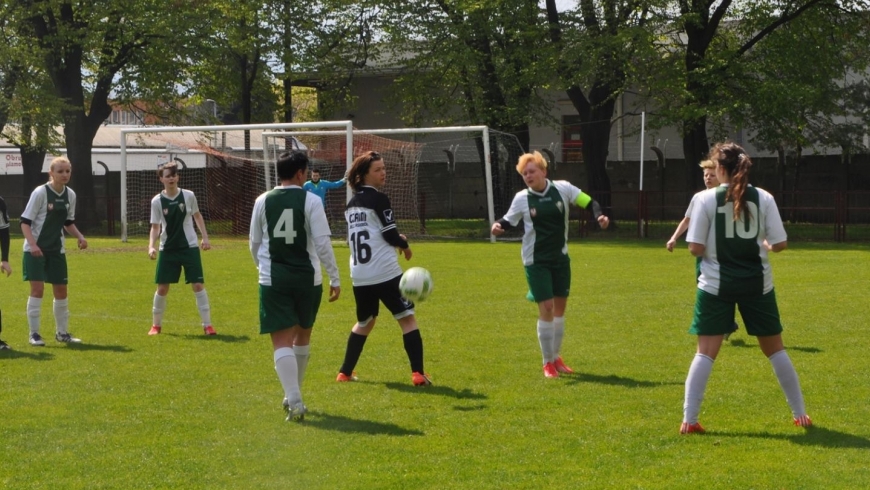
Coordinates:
(550,370)
(208,330)
(561,367)
(296,413)
(803,421)
(420,379)
(36,339)
(734,329)
(4,346)
(65,337)
(343,378)
(155,330)
(687,428)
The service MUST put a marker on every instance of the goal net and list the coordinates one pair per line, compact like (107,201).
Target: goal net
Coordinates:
(448,182)
(225,167)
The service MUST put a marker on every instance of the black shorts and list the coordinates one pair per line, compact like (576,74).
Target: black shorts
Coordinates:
(369,298)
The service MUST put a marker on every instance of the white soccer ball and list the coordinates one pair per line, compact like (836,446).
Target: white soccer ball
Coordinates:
(416,284)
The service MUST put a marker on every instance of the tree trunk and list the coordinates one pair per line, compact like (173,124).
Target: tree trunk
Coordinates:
(32,160)
(696,147)
(79,143)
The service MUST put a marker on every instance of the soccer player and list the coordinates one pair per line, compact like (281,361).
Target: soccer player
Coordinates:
(710,181)
(319,187)
(4,251)
(374,267)
(289,240)
(733,228)
(543,210)
(173,213)
(50,210)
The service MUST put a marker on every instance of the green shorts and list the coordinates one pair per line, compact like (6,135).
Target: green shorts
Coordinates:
(50,268)
(714,315)
(170,263)
(282,308)
(549,281)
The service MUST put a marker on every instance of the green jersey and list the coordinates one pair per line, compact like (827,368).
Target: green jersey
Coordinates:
(735,261)
(175,217)
(545,221)
(48,212)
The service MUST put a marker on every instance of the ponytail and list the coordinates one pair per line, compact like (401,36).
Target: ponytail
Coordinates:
(736,163)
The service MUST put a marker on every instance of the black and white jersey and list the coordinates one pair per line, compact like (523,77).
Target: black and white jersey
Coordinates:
(373,238)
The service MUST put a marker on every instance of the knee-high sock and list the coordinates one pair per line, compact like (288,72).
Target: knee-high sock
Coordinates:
(559,334)
(33,307)
(157,310)
(204,307)
(61,315)
(288,374)
(302,355)
(546,335)
(696,385)
(414,348)
(789,382)
(355,344)
(1,322)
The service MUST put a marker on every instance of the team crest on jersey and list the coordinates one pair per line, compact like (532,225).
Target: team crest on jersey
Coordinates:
(533,212)
(560,206)
(388,215)
(165,211)
(50,206)
(181,207)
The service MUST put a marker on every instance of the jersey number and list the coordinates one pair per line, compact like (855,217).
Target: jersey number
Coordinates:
(744,229)
(284,227)
(362,252)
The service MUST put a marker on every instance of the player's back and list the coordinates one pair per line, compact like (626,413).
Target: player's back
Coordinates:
(372,260)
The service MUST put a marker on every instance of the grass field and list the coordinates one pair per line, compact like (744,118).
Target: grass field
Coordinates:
(125,410)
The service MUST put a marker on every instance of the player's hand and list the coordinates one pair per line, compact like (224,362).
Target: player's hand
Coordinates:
(603,221)
(152,253)
(83,244)
(334,293)
(407,252)
(670,245)
(496,229)
(5,268)
(35,251)
(204,244)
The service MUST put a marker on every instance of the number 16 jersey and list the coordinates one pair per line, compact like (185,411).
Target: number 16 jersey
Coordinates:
(373,259)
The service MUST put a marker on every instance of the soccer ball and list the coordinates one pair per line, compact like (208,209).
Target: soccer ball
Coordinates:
(416,284)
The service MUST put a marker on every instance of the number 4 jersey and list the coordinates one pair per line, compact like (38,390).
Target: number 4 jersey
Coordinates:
(735,259)
(372,236)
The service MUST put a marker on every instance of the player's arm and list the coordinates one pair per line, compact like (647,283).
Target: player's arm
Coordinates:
(70,227)
(333,185)
(255,239)
(37,199)
(200,223)
(388,226)
(318,228)
(513,216)
(586,202)
(681,228)
(776,239)
(4,251)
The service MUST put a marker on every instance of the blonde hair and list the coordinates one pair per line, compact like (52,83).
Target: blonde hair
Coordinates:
(55,161)
(707,164)
(535,158)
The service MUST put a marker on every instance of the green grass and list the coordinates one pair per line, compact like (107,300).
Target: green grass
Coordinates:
(125,410)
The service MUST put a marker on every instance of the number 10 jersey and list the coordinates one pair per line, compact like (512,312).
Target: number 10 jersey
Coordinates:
(373,259)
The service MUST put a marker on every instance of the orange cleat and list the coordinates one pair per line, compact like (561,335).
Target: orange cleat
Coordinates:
(420,379)
(803,421)
(343,378)
(155,330)
(550,370)
(561,367)
(208,330)
(687,428)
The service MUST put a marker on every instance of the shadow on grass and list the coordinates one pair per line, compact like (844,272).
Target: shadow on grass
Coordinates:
(464,394)
(615,380)
(743,343)
(109,348)
(230,339)
(472,408)
(812,436)
(17,354)
(322,420)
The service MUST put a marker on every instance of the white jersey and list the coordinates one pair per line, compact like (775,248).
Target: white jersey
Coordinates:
(179,208)
(373,259)
(45,205)
(553,220)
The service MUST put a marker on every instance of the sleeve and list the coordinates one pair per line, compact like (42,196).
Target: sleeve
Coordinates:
(384,210)
(319,226)
(192,204)
(571,192)
(71,213)
(773,227)
(156,211)
(691,206)
(4,215)
(34,204)
(256,230)
(307,186)
(4,232)
(519,206)
(332,185)
(700,220)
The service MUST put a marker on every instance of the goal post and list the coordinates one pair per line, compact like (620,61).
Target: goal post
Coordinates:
(221,160)
(406,201)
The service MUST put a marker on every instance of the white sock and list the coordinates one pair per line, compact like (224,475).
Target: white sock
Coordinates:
(302,355)
(696,385)
(788,381)
(61,315)
(158,309)
(204,308)
(545,338)
(559,325)
(288,374)
(33,307)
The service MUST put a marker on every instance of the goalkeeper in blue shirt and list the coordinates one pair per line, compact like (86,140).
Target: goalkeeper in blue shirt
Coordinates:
(319,186)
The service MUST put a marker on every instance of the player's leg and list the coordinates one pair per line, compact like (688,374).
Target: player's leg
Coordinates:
(403,312)
(278,318)
(168,272)
(540,281)
(56,275)
(193,275)
(158,307)
(307,304)
(761,317)
(33,269)
(3,345)
(561,288)
(367,308)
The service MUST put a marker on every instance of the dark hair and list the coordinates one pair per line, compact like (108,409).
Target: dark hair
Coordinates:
(360,167)
(171,166)
(315,171)
(291,162)
(736,163)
